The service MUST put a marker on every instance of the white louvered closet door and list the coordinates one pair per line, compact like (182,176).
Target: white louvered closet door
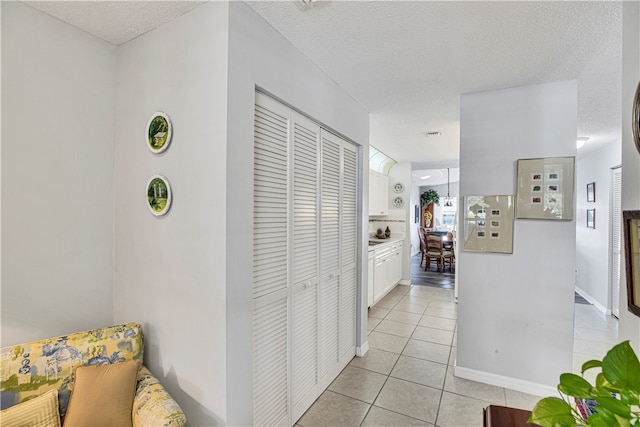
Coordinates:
(270,264)
(329,257)
(304,261)
(349,256)
(304,250)
(616,239)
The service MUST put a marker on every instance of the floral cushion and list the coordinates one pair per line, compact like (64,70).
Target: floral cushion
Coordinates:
(31,369)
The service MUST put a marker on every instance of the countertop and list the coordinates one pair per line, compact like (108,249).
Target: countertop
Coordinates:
(375,242)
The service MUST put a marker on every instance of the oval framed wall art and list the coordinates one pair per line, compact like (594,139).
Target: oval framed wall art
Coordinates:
(158,195)
(159,132)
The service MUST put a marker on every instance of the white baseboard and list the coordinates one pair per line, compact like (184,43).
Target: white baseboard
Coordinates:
(405,282)
(592,300)
(506,382)
(361,351)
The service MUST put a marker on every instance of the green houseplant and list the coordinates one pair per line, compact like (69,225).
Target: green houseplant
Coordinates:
(430,196)
(612,401)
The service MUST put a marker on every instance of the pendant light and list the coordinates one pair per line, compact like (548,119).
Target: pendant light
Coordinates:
(447,200)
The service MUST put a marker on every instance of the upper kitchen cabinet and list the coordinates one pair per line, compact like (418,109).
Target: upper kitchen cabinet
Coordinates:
(378,194)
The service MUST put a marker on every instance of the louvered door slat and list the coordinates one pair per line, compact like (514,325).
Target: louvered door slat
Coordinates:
(270,199)
(349,206)
(305,205)
(616,234)
(329,330)
(348,311)
(269,372)
(270,265)
(330,202)
(304,348)
(304,336)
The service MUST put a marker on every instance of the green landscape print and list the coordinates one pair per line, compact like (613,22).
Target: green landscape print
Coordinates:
(157,195)
(158,132)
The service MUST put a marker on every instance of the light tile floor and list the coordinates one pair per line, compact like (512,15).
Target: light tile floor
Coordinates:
(406,377)
(594,334)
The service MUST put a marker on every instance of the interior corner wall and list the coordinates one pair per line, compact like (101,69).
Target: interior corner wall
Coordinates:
(259,57)
(629,324)
(515,311)
(593,244)
(401,172)
(414,200)
(170,270)
(58,86)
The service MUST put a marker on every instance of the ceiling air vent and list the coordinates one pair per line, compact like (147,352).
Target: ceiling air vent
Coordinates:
(432,134)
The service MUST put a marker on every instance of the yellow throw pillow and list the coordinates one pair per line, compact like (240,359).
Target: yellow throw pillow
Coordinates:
(103,395)
(41,411)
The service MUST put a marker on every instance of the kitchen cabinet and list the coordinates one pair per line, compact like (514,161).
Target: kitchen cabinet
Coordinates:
(387,269)
(378,193)
(372,255)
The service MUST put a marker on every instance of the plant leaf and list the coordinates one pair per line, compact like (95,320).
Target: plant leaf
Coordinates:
(574,385)
(551,412)
(603,386)
(621,367)
(602,418)
(614,405)
(589,364)
(630,397)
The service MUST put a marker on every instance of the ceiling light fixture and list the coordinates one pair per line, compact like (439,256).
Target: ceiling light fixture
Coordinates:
(425,177)
(581,141)
(447,200)
(305,4)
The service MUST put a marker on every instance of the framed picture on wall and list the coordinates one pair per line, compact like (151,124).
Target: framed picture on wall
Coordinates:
(158,195)
(493,234)
(591,192)
(159,132)
(591,218)
(631,224)
(545,188)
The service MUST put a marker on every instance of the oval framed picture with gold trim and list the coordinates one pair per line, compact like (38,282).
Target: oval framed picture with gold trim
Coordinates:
(158,195)
(635,118)
(159,132)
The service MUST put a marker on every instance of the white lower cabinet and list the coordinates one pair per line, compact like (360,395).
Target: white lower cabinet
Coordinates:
(387,269)
(372,255)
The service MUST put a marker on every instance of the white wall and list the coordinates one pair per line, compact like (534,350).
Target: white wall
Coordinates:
(593,245)
(401,172)
(170,271)
(58,86)
(413,225)
(629,325)
(260,57)
(515,311)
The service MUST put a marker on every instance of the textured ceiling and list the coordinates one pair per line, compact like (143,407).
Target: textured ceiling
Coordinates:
(115,21)
(407,63)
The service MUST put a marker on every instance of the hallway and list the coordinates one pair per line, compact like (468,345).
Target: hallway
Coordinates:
(406,377)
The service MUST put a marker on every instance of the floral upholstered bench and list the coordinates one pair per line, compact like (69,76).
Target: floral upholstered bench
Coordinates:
(33,369)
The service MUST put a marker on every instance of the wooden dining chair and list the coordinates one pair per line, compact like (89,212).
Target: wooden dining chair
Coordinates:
(423,245)
(435,250)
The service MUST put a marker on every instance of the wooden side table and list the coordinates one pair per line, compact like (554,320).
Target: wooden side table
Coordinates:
(502,416)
